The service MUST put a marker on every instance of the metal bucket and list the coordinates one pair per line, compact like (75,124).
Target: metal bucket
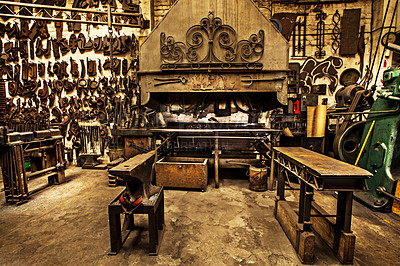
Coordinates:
(258,178)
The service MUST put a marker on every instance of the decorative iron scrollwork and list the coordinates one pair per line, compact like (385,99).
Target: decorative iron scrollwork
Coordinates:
(320,36)
(336,31)
(171,51)
(211,42)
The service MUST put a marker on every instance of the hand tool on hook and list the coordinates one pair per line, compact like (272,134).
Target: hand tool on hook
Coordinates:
(248,80)
(182,80)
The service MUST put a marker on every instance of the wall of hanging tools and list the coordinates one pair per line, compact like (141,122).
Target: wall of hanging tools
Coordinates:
(60,66)
(351,30)
(326,39)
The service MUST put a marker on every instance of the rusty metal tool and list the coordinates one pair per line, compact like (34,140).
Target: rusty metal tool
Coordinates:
(165,81)
(248,80)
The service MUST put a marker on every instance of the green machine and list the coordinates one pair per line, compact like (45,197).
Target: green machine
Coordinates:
(380,144)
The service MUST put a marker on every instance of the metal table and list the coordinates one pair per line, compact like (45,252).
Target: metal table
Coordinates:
(318,172)
(219,136)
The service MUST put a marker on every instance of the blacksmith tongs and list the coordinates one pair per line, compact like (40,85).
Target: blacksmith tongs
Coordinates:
(182,80)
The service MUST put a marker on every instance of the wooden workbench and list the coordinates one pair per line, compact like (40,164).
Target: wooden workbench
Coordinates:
(317,172)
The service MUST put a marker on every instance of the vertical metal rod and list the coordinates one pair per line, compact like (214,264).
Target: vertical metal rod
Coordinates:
(270,184)
(110,34)
(25,180)
(16,172)
(304,36)
(377,44)
(294,39)
(365,142)
(11,167)
(299,46)
(384,47)
(152,21)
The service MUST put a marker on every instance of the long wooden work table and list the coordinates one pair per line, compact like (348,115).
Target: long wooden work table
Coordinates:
(317,172)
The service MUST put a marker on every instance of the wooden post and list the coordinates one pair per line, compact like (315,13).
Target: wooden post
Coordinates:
(344,210)
(216,161)
(270,181)
(281,183)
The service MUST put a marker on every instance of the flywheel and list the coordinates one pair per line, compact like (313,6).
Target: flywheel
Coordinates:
(350,141)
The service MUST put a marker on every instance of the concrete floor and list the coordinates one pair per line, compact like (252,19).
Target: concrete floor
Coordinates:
(68,225)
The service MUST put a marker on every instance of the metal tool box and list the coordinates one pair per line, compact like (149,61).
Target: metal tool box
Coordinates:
(183,172)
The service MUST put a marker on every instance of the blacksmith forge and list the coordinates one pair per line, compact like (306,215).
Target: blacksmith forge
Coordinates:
(209,74)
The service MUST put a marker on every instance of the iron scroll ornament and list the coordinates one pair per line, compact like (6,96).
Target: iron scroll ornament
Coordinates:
(212,42)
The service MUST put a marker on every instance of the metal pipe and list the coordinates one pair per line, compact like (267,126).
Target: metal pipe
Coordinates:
(225,130)
(238,163)
(70,20)
(384,48)
(367,113)
(41,172)
(158,72)
(394,98)
(322,2)
(323,215)
(365,142)
(219,137)
(377,44)
(163,143)
(382,190)
(110,33)
(66,9)
(39,148)
(394,47)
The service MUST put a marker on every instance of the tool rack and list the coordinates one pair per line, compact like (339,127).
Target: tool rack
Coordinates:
(13,155)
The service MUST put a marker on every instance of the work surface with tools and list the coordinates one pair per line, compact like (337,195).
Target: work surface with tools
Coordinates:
(68,224)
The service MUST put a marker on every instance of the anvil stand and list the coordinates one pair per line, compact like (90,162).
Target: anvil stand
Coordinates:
(137,174)
(155,212)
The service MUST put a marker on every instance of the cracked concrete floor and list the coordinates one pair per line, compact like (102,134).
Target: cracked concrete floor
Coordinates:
(68,225)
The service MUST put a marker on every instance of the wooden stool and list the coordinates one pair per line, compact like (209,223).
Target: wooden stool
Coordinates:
(155,212)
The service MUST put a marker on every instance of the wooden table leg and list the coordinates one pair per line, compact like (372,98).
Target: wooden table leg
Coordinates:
(153,233)
(115,229)
(307,208)
(161,212)
(281,182)
(344,210)
(302,201)
(306,197)
(130,219)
